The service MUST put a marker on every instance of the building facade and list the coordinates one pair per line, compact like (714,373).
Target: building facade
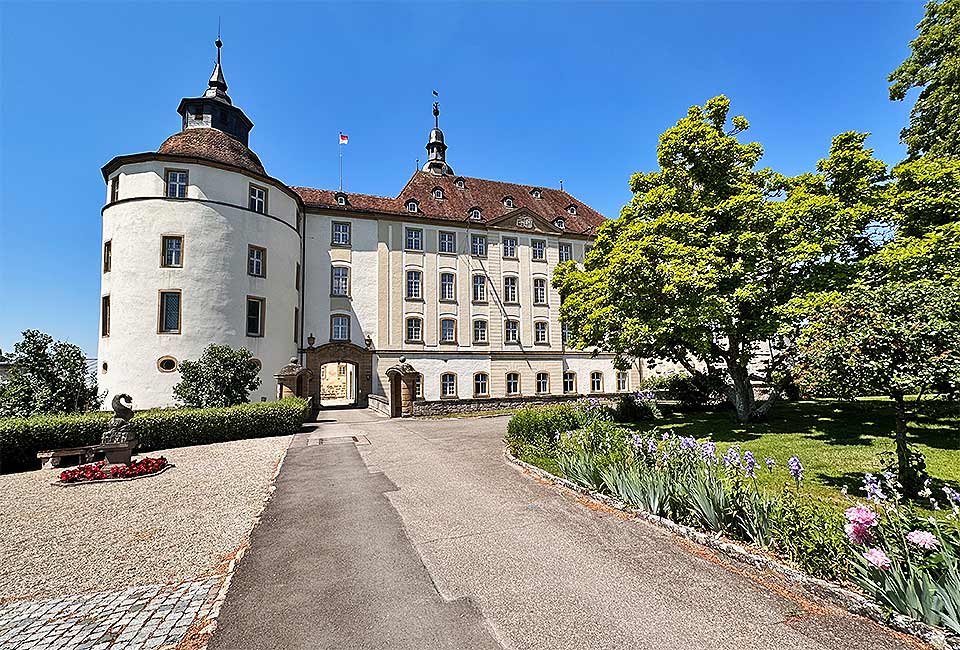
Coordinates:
(449,279)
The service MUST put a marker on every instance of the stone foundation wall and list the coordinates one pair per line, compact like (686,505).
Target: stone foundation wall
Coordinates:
(379,404)
(480,405)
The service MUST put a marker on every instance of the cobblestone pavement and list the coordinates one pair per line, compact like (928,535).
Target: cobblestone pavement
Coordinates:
(140,618)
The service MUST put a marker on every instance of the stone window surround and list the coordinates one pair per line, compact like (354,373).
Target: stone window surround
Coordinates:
(573,379)
(167,171)
(263,261)
(506,328)
(440,245)
(163,250)
(516,247)
(533,250)
(263,316)
(596,374)
(406,325)
(160,364)
(333,280)
(546,299)
(546,376)
(473,288)
(515,298)
(440,284)
(440,338)
(333,234)
(453,378)
(334,317)
(625,376)
(486,331)
(486,384)
(253,199)
(160,298)
(409,231)
(408,295)
(546,338)
(519,381)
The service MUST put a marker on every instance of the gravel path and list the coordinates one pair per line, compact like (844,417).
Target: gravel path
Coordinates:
(57,541)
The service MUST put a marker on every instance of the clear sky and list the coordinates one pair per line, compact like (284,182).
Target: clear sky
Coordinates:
(530,92)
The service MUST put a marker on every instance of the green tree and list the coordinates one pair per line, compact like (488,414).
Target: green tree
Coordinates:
(707,260)
(222,376)
(47,377)
(897,339)
(934,67)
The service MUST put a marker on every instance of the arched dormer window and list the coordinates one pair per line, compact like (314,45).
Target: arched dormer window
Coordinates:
(341,198)
(572,209)
(535,193)
(508,201)
(460,184)
(413,206)
(437,193)
(475,214)
(560,223)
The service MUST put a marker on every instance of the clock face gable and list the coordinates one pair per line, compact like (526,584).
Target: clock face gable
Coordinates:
(524,220)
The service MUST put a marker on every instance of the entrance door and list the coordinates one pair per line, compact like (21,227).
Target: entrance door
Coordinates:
(396,408)
(338,384)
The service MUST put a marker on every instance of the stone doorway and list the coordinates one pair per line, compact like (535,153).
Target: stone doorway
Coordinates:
(357,365)
(338,384)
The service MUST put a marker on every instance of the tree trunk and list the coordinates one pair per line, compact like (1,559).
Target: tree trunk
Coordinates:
(905,472)
(741,392)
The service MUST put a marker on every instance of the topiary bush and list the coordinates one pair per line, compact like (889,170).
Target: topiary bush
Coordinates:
(22,438)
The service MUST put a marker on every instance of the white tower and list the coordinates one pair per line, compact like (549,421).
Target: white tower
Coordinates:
(200,246)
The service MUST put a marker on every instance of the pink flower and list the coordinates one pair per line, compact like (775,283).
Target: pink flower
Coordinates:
(858,533)
(922,539)
(877,558)
(862,515)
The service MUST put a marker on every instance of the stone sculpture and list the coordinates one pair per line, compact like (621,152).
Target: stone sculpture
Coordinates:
(120,430)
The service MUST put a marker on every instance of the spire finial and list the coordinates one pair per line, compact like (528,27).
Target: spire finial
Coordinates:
(436,115)
(217,86)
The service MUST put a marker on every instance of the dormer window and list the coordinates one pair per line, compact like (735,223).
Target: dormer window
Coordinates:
(560,223)
(507,202)
(572,209)
(460,184)
(475,214)
(535,193)
(437,193)
(341,198)
(413,206)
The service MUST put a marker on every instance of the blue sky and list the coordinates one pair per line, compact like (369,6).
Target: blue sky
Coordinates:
(530,92)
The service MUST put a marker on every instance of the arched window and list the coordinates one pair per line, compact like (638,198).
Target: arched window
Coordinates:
(415,329)
(560,223)
(543,382)
(475,214)
(513,383)
(508,202)
(437,193)
(480,385)
(572,209)
(535,193)
(448,385)
(596,382)
(569,382)
(623,381)
(459,183)
(413,206)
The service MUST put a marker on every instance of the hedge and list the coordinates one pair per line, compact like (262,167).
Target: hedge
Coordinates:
(22,438)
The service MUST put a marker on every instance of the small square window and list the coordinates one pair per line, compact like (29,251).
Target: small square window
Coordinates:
(257,261)
(414,239)
(171,251)
(341,233)
(256,310)
(169,321)
(176,184)
(258,199)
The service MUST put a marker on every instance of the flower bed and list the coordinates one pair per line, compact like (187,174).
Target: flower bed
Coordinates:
(100,471)
(883,544)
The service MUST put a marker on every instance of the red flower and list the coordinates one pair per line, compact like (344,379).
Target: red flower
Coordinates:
(94,471)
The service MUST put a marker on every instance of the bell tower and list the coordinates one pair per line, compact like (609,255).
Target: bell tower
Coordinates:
(437,148)
(214,109)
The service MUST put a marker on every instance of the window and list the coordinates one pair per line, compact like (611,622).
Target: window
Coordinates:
(166,364)
(539,291)
(176,184)
(510,247)
(169,321)
(107,253)
(437,193)
(340,281)
(105,316)
(511,331)
(479,331)
(257,261)
(414,239)
(415,329)
(538,249)
(475,214)
(171,251)
(513,383)
(115,189)
(507,202)
(296,277)
(572,209)
(623,381)
(596,381)
(448,287)
(413,285)
(258,199)
(560,223)
(510,289)
(540,332)
(413,206)
(478,245)
(565,333)
(566,252)
(296,324)
(418,386)
(341,233)
(339,327)
(543,382)
(535,194)
(256,310)
(341,199)
(480,384)
(479,288)
(460,184)
(569,382)
(447,242)
(448,330)
(448,385)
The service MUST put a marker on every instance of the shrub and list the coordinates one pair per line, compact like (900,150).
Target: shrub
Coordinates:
(222,376)
(534,430)
(22,438)
(682,388)
(640,406)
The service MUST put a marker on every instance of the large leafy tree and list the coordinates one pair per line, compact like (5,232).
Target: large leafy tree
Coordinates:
(705,262)
(47,377)
(223,376)
(934,67)
(896,339)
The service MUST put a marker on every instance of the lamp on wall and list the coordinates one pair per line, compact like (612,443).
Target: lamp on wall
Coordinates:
(369,342)
(311,339)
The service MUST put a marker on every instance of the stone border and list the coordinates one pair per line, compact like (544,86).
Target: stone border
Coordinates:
(112,480)
(846,599)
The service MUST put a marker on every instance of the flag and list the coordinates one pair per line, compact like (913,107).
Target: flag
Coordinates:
(436,94)
(343,138)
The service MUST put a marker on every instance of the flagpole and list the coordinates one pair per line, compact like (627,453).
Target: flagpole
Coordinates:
(340,147)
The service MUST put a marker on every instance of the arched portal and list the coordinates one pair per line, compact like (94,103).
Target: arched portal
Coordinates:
(356,364)
(338,384)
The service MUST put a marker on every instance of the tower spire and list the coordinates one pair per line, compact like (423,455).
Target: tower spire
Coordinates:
(436,147)
(217,86)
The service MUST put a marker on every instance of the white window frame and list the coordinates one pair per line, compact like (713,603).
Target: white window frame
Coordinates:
(340,281)
(566,252)
(413,206)
(510,246)
(414,281)
(437,193)
(623,381)
(572,377)
(476,214)
(261,316)
(478,245)
(452,338)
(479,288)
(511,324)
(543,382)
(448,384)
(413,239)
(340,327)
(178,180)
(515,378)
(258,199)
(448,286)
(511,289)
(172,258)
(446,242)
(481,384)
(538,250)
(417,328)
(541,332)
(596,382)
(481,327)
(341,234)
(256,261)
(540,291)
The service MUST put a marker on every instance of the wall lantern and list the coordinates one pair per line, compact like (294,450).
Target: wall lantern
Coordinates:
(311,339)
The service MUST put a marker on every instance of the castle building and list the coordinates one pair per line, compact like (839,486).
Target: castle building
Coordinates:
(439,295)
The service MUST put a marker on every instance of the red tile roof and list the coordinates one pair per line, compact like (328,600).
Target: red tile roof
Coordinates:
(457,202)
(212,144)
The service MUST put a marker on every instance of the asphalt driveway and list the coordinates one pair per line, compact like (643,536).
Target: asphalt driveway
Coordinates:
(420,535)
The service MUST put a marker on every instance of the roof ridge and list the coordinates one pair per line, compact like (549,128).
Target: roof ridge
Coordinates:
(323,189)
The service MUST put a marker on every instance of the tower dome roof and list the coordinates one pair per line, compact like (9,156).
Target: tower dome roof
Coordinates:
(213,145)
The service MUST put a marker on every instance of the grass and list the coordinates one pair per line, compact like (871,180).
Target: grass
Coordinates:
(837,442)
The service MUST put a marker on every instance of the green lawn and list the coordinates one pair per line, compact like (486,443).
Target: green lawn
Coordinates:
(836,442)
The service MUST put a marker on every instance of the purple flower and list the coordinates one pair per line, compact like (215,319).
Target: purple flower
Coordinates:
(709,451)
(770,463)
(952,495)
(749,464)
(871,485)
(877,558)
(732,457)
(858,533)
(923,539)
(636,440)
(862,515)
(651,446)
(688,443)
(796,469)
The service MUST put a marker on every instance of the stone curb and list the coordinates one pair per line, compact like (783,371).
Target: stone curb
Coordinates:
(844,598)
